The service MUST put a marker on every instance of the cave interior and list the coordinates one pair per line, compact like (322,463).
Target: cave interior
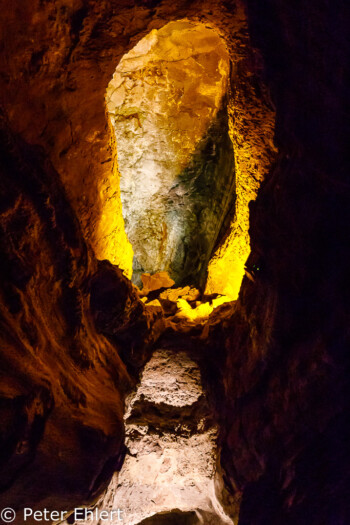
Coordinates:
(174,236)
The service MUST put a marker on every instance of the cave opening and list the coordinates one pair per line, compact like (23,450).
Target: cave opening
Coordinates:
(167,102)
(191,138)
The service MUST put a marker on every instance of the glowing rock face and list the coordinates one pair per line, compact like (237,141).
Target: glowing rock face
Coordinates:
(168,106)
(155,282)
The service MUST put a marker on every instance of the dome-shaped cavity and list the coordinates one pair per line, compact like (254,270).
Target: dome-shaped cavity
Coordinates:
(167,102)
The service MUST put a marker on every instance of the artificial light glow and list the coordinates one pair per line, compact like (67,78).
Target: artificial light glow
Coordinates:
(202,311)
(251,129)
(113,243)
(226,268)
(164,101)
(252,123)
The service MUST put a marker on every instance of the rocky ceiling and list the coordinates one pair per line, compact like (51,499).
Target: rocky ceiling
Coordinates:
(75,333)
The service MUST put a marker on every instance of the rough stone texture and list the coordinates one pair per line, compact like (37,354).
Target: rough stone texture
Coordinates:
(284,352)
(170,465)
(168,104)
(119,314)
(62,383)
(155,282)
(57,63)
(280,353)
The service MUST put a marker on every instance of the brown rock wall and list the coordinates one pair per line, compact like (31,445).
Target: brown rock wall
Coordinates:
(279,358)
(62,382)
(61,56)
(285,396)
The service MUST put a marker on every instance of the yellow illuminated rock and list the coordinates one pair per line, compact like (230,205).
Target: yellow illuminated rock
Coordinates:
(155,282)
(167,103)
(164,96)
(252,124)
(202,311)
(113,243)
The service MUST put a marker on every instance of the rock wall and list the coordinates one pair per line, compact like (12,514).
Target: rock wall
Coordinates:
(61,57)
(278,361)
(62,383)
(285,399)
(171,441)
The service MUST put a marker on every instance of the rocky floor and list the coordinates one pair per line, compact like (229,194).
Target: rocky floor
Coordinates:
(168,472)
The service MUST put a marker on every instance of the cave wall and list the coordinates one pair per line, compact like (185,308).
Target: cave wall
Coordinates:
(62,382)
(281,354)
(69,322)
(61,56)
(285,399)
